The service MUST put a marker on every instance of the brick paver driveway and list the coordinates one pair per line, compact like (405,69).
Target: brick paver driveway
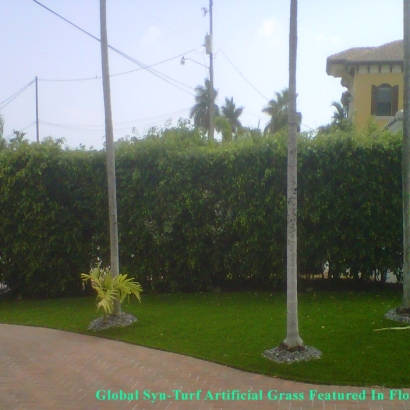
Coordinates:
(50,369)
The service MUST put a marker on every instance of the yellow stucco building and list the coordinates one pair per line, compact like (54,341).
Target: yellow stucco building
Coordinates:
(374,79)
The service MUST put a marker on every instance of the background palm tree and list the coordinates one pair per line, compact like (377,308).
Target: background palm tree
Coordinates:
(223,126)
(232,114)
(278,109)
(340,118)
(340,114)
(200,111)
(3,142)
(345,100)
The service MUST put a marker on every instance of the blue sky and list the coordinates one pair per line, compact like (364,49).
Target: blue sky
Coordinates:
(250,46)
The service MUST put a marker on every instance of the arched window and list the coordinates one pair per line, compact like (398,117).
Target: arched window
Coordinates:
(385,100)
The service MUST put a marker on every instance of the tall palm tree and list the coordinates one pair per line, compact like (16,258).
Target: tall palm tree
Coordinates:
(232,114)
(293,339)
(406,158)
(200,111)
(278,111)
(112,196)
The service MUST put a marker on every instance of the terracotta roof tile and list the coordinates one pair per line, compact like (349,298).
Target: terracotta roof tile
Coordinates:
(390,52)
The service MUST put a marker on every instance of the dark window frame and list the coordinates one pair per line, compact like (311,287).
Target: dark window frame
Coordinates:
(382,108)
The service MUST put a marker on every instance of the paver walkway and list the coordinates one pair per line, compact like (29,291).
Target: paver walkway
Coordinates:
(50,369)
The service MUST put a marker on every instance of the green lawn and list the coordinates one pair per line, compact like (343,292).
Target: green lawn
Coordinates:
(235,328)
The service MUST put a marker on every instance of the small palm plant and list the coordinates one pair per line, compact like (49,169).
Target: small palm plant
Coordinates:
(110,288)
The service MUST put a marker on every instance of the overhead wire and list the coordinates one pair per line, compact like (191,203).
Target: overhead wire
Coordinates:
(307,126)
(74,127)
(158,74)
(118,74)
(97,127)
(155,72)
(21,129)
(155,117)
(160,21)
(7,101)
(143,66)
(267,99)
(233,65)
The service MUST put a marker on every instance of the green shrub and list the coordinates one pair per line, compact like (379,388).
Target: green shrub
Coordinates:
(110,288)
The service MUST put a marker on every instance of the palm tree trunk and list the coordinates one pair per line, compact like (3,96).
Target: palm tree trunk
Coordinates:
(406,157)
(292,338)
(112,195)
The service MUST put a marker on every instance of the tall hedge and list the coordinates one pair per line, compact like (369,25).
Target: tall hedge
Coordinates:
(200,218)
(50,201)
(193,215)
(350,202)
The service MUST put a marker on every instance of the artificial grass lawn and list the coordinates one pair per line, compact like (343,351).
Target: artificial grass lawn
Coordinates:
(235,328)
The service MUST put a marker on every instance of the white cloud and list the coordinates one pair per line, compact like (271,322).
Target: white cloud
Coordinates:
(151,36)
(267,28)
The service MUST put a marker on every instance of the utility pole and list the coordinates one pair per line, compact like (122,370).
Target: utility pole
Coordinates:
(208,44)
(112,191)
(37,127)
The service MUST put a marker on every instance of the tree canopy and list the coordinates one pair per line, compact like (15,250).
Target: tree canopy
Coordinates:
(277,109)
(200,111)
(232,114)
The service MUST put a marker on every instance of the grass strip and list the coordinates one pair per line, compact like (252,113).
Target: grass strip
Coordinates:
(235,328)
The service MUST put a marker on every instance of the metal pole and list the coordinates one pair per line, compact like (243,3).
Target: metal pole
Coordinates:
(37,126)
(211,80)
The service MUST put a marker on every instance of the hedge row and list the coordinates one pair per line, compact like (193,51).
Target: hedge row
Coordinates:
(193,215)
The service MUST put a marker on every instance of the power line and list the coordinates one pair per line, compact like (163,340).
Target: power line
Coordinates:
(98,127)
(158,74)
(160,21)
(267,99)
(7,101)
(150,119)
(118,74)
(307,126)
(68,21)
(162,76)
(232,64)
(21,129)
(74,127)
